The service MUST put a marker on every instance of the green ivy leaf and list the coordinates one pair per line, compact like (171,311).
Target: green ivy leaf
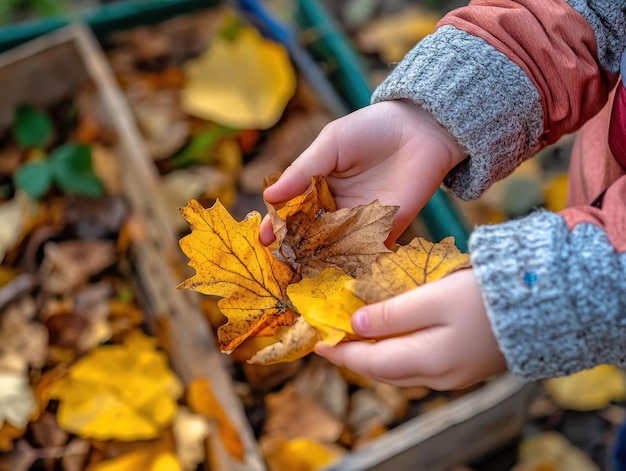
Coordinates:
(34,178)
(32,128)
(198,151)
(73,170)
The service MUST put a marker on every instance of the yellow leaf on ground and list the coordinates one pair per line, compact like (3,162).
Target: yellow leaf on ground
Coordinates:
(556,193)
(410,266)
(244,83)
(298,341)
(393,35)
(230,262)
(299,454)
(551,451)
(121,392)
(590,389)
(326,304)
(202,400)
(144,459)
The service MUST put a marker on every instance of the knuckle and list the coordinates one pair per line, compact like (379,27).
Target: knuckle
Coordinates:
(386,316)
(376,368)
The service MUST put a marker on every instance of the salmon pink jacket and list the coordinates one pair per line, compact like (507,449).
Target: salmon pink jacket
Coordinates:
(508,78)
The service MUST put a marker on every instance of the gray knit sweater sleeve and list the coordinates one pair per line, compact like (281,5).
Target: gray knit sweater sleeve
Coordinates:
(556,298)
(468,86)
(484,99)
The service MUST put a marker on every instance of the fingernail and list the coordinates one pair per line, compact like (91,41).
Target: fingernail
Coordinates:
(360,321)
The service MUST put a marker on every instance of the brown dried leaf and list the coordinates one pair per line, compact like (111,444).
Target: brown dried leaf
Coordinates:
(294,415)
(313,236)
(69,264)
(22,341)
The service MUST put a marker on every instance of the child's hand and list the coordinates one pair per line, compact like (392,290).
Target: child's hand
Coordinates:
(392,151)
(440,337)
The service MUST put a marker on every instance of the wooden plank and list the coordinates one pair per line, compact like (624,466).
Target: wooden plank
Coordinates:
(52,67)
(462,430)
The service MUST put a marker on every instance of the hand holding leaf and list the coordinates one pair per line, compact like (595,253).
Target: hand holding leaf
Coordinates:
(329,263)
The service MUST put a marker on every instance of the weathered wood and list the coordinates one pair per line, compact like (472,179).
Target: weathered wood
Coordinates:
(462,430)
(52,67)
(55,66)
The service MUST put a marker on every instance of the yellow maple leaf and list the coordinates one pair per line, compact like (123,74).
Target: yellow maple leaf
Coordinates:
(230,262)
(326,304)
(326,307)
(244,83)
(410,266)
(202,401)
(121,392)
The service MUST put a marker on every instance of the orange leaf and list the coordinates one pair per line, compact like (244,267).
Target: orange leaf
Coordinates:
(8,433)
(202,401)
(230,262)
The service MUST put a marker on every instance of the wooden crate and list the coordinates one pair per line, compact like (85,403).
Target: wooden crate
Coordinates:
(50,68)
(462,430)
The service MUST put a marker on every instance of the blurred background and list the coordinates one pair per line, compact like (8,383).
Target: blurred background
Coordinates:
(106,130)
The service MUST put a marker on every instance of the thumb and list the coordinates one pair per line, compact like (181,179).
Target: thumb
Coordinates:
(320,158)
(401,314)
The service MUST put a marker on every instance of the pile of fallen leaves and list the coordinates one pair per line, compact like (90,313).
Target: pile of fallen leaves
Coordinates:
(218,106)
(280,301)
(82,383)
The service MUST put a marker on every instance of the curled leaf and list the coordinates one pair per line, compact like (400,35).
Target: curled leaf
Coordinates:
(298,341)
(312,235)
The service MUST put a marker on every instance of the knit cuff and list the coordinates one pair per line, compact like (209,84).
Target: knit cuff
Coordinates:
(556,299)
(484,99)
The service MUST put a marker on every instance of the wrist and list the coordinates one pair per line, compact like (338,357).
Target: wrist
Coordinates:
(425,123)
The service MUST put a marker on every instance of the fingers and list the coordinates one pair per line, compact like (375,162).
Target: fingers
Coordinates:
(266,232)
(401,314)
(403,361)
(320,158)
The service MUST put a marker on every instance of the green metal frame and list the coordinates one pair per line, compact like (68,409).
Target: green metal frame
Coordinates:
(346,70)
